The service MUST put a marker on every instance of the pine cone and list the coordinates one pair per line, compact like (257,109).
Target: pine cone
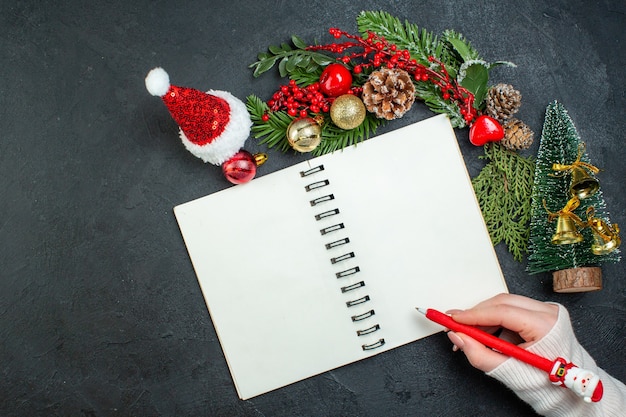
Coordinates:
(388,93)
(502,101)
(517,135)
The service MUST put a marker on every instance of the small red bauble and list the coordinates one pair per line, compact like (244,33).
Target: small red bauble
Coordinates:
(485,129)
(335,80)
(240,168)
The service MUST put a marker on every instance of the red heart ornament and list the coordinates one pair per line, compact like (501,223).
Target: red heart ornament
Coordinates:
(485,129)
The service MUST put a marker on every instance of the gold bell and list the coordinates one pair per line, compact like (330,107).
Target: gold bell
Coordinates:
(606,237)
(259,158)
(566,231)
(582,184)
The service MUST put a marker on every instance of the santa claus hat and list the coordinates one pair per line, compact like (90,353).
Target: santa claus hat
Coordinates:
(213,125)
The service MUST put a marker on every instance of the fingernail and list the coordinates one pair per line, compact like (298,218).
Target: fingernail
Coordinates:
(458,342)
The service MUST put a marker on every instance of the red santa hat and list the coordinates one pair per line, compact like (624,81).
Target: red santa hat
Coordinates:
(213,125)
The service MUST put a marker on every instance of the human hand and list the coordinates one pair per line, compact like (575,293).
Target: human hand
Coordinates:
(527,319)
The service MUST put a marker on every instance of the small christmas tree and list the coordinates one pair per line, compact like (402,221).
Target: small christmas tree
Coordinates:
(575,266)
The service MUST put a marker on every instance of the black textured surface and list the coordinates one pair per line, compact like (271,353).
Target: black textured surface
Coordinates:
(100,310)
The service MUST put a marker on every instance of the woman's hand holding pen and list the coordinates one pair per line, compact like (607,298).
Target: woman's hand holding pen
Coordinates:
(523,321)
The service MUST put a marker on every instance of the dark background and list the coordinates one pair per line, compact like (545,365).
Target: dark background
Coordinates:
(100,310)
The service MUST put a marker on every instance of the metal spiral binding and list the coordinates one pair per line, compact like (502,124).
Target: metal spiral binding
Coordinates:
(342,258)
(332,228)
(374,345)
(316,185)
(353,286)
(312,171)
(322,199)
(336,243)
(354,303)
(363,316)
(369,330)
(347,272)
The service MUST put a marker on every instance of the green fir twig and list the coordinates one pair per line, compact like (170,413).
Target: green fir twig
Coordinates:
(273,131)
(420,43)
(335,138)
(503,189)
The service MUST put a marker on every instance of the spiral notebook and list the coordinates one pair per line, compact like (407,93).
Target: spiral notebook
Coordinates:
(322,264)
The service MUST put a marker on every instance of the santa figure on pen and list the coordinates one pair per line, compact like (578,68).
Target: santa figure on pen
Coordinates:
(583,382)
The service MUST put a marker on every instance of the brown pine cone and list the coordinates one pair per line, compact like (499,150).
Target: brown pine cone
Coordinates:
(502,101)
(388,93)
(517,135)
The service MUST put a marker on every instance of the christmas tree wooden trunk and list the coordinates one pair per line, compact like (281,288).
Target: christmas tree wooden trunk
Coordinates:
(575,266)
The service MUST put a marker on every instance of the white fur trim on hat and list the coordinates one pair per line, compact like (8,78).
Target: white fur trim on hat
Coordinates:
(233,137)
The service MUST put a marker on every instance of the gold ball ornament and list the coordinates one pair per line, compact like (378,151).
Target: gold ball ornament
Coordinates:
(304,134)
(347,111)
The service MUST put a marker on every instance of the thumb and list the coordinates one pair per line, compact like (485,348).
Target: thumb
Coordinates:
(478,355)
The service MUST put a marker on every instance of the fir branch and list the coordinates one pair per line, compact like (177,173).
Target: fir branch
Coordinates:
(335,138)
(274,130)
(420,43)
(503,189)
(431,96)
(304,77)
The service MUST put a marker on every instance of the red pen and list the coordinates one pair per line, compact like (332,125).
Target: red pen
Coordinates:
(560,372)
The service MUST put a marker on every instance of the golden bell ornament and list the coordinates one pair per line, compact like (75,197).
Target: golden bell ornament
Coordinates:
(582,184)
(347,111)
(606,237)
(304,134)
(260,158)
(566,231)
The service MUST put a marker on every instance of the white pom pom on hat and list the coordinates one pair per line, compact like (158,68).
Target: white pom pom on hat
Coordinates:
(213,125)
(158,82)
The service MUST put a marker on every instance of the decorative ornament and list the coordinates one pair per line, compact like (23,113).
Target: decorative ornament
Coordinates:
(335,80)
(582,184)
(574,267)
(606,237)
(260,158)
(389,93)
(213,126)
(502,101)
(566,231)
(304,134)
(241,167)
(347,111)
(485,129)
(517,135)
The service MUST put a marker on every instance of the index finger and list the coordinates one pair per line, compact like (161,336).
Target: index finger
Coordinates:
(516,301)
(531,325)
